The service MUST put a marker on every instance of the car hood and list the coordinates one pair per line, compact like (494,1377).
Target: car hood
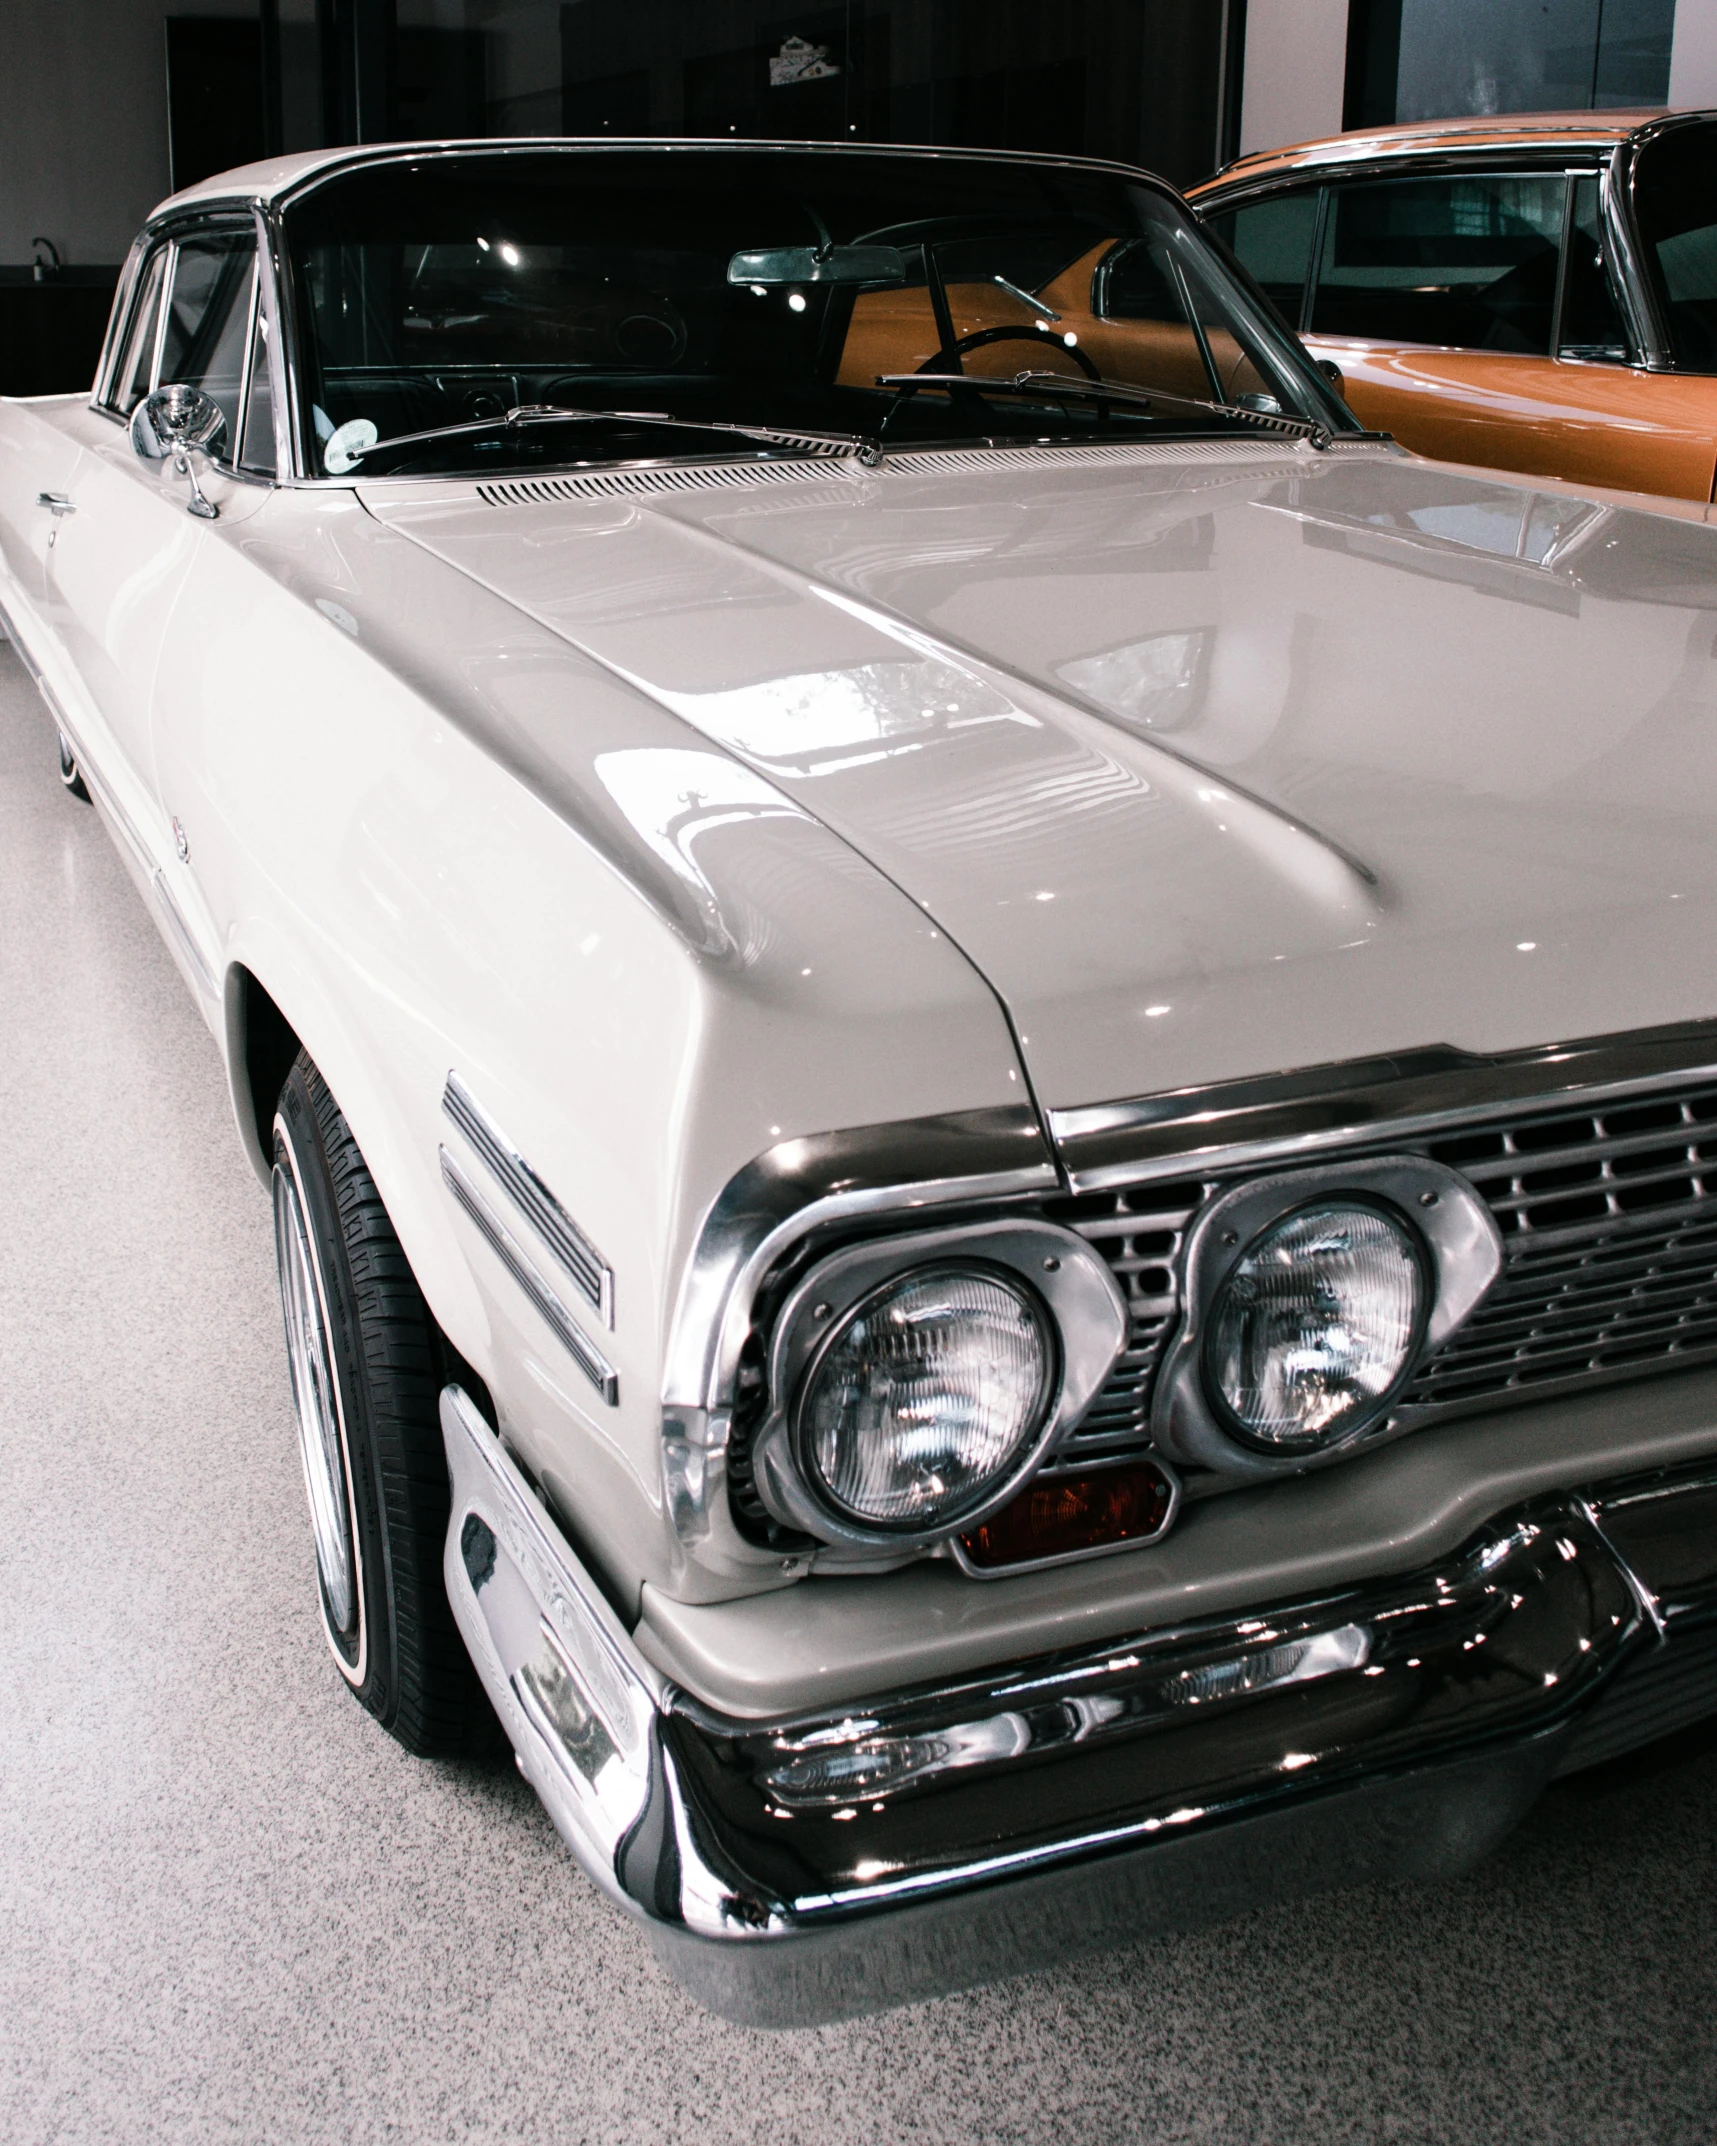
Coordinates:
(1215,761)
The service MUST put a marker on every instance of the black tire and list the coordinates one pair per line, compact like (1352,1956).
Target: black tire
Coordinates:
(367,1364)
(70,773)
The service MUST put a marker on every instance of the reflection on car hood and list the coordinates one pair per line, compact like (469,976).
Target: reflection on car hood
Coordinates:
(1215,760)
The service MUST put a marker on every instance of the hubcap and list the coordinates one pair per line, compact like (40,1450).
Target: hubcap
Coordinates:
(315,1406)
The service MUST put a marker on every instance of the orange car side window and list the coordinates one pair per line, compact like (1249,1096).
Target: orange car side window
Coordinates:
(1467,261)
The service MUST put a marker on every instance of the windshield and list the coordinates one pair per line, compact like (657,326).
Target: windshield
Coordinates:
(764,287)
(1675,193)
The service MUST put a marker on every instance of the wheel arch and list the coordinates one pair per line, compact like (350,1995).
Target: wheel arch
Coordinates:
(261,1046)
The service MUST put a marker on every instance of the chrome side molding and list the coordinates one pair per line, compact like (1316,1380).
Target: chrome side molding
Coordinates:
(506,1248)
(1369,1099)
(582,1261)
(180,938)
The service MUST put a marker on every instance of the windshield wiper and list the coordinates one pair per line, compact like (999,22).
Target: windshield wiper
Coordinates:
(1057,386)
(868,450)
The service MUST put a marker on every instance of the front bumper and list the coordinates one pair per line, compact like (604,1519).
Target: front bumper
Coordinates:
(805,1869)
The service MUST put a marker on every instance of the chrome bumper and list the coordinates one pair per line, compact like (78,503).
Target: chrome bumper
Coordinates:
(792,1871)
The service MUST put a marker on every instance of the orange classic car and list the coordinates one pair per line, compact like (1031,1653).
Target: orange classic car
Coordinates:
(1533,293)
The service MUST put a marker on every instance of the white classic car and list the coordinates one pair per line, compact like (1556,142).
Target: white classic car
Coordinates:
(985,1052)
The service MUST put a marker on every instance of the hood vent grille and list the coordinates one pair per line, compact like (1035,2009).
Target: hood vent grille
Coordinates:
(928,461)
(629,483)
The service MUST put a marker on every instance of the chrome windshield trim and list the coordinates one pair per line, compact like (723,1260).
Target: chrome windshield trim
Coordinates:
(554,1314)
(796,1186)
(584,1264)
(1313,1108)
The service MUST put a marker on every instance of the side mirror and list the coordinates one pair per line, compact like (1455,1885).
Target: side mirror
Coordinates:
(772,266)
(1332,372)
(175,423)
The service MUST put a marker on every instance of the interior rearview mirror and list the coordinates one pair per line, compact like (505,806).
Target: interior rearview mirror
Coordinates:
(772,266)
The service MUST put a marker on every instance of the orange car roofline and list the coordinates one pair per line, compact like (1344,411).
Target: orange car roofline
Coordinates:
(1601,130)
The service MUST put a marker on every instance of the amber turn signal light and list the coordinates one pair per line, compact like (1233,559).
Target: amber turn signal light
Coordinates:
(1060,1514)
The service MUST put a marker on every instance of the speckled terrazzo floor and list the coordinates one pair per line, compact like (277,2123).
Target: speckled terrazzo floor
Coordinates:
(231,1910)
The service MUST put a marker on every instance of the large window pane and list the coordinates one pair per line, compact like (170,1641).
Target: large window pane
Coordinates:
(1468,262)
(1439,59)
(133,379)
(208,322)
(722,287)
(1676,191)
(1592,325)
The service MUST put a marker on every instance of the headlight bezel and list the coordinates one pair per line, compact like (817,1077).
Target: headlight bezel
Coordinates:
(1332,1203)
(1085,1316)
(1462,1250)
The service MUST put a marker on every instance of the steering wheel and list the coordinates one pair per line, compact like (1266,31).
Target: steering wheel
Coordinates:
(980,336)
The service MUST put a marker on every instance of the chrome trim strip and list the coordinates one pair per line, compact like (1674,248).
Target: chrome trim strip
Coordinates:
(1314,1108)
(582,1261)
(179,934)
(554,1313)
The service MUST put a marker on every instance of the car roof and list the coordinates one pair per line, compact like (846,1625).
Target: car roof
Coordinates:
(278,177)
(1369,145)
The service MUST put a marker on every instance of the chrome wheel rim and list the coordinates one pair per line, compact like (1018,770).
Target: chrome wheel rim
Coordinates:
(316,1407)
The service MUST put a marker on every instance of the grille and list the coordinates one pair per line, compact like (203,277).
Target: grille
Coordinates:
(1140,1233)
(1609,1225)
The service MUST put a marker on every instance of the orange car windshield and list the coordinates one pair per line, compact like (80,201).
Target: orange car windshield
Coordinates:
(622,303)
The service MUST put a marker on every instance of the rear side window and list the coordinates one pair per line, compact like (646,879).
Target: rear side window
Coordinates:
(134,375)
(1675,193)
(1592,324)
(1468,261)
(1273,239)
(209,323)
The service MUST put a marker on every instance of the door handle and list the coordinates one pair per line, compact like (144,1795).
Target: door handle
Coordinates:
(56,503)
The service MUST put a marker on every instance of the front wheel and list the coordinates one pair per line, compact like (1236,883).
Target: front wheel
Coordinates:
(365,1361)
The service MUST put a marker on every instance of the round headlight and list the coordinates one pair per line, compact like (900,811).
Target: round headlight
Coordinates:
(925,1396)
(1314,1327)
